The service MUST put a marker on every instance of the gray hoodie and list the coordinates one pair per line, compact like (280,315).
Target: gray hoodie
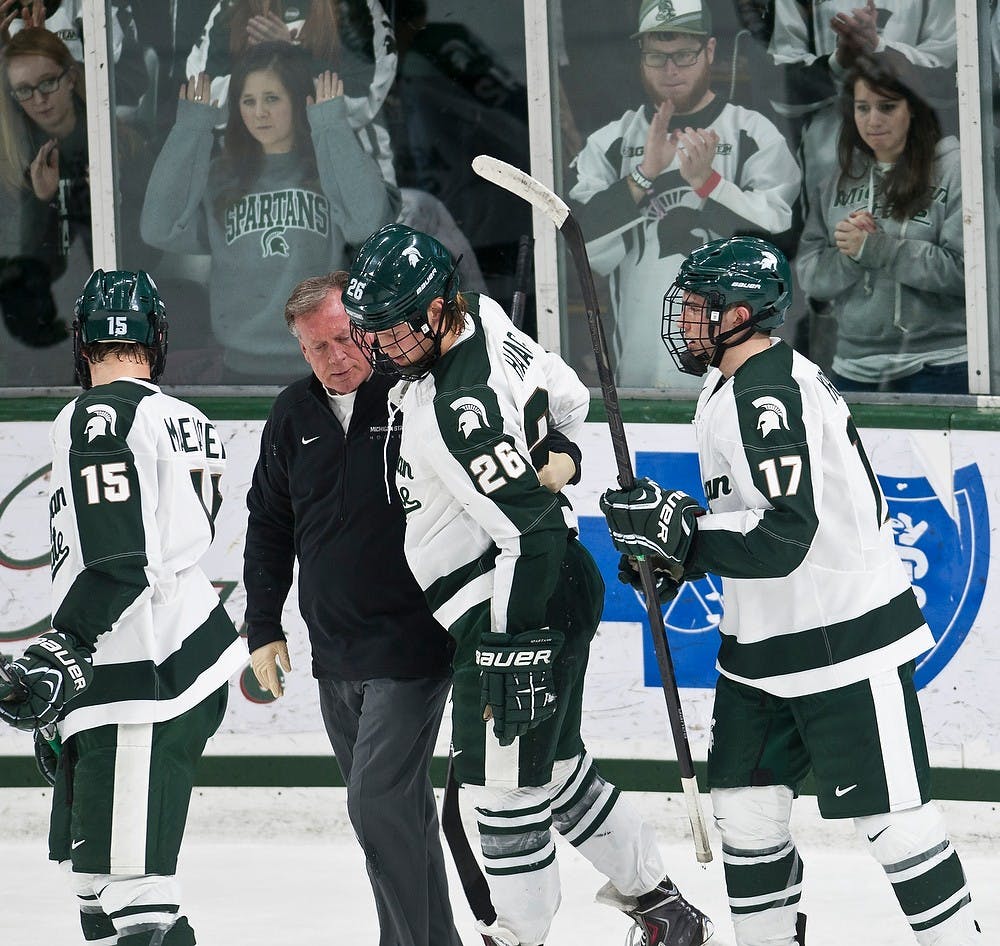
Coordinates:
(901,303)
(263,243)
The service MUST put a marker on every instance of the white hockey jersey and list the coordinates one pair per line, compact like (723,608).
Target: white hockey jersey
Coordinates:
(134,494)
(814,593)
(479,525)
(641,247)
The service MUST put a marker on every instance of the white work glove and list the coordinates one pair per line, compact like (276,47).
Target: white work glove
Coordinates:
(557,472)
(264,662)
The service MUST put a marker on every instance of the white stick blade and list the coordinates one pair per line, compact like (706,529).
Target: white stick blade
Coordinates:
(522,185)
(699,830)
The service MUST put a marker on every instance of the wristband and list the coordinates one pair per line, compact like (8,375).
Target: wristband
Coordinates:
(709,185)
(641,180)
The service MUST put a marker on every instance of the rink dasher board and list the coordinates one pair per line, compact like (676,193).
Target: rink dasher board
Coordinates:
(942,484)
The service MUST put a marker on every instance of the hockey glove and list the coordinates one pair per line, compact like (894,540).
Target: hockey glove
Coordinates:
(518,689)
(667,584)
(647,520)
(46,757)
(53,670)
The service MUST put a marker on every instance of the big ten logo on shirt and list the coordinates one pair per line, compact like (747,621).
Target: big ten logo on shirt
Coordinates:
(271,214)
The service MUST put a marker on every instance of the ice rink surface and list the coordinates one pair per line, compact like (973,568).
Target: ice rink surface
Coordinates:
(280,867)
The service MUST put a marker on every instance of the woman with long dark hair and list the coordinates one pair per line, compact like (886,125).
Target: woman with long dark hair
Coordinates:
(883,240)
(293,185)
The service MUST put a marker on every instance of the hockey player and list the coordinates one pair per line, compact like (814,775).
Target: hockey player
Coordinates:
(497,556)
(821,626)
(135,670)
(656,182)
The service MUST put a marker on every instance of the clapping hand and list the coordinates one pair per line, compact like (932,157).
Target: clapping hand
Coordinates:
(198,90)
(268,28)
(857,33)
(851,232)
(660,143)
(697,148)
(328,86)
(45,171)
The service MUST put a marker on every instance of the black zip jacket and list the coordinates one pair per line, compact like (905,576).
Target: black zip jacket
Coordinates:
(320,496)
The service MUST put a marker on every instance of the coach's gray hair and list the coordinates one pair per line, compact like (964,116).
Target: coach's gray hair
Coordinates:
(310,294)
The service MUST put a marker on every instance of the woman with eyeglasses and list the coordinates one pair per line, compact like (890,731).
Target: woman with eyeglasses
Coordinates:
(44,193)
(45,185)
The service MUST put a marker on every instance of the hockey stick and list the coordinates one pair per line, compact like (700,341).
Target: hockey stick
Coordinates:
(477,890)
(541,198)
(522,273)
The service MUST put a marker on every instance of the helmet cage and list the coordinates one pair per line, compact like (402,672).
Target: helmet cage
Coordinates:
(692,354)
(414,361)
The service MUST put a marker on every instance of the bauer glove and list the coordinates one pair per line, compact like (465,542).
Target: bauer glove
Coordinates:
(667,585)
(35,687)
(647,520)
(518,689)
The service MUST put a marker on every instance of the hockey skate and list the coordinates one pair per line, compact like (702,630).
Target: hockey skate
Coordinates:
(663,917)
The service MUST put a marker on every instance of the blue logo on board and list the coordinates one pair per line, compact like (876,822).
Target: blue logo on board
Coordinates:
(946,553)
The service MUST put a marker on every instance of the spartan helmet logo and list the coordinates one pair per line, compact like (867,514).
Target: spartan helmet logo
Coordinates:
(413,255)
(773,415)
(102,422)
(471,415)
(768,261)
(273,243)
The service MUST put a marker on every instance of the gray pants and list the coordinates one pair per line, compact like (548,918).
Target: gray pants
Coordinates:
(383,733)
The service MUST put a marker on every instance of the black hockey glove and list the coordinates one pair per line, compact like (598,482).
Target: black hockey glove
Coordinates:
(648,520)
(517,676)
(46,757)
(667,585)
(53,670)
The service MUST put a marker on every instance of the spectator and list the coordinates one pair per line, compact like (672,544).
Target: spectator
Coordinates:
(655,183)
(883,242)
(135,671)
(64,18)
(293,185)
(383,664)
(815,44)
(235,26)
(500,565)
(451,86)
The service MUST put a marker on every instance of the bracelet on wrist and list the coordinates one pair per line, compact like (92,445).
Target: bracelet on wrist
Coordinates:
(641,180)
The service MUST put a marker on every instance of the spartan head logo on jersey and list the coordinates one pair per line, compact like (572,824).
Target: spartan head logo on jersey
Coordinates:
(273,243)
(102,422)
(773,415)
(412,255)
(471,415)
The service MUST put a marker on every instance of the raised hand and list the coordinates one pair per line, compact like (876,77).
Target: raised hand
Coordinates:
(198,89)
(660,144)
(328,86)
(44,171)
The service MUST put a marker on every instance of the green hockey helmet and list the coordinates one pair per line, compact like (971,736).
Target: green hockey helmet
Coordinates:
(740,270)
(395,276)
(120,306)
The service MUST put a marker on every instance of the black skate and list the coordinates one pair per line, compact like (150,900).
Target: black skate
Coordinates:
(664,918)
